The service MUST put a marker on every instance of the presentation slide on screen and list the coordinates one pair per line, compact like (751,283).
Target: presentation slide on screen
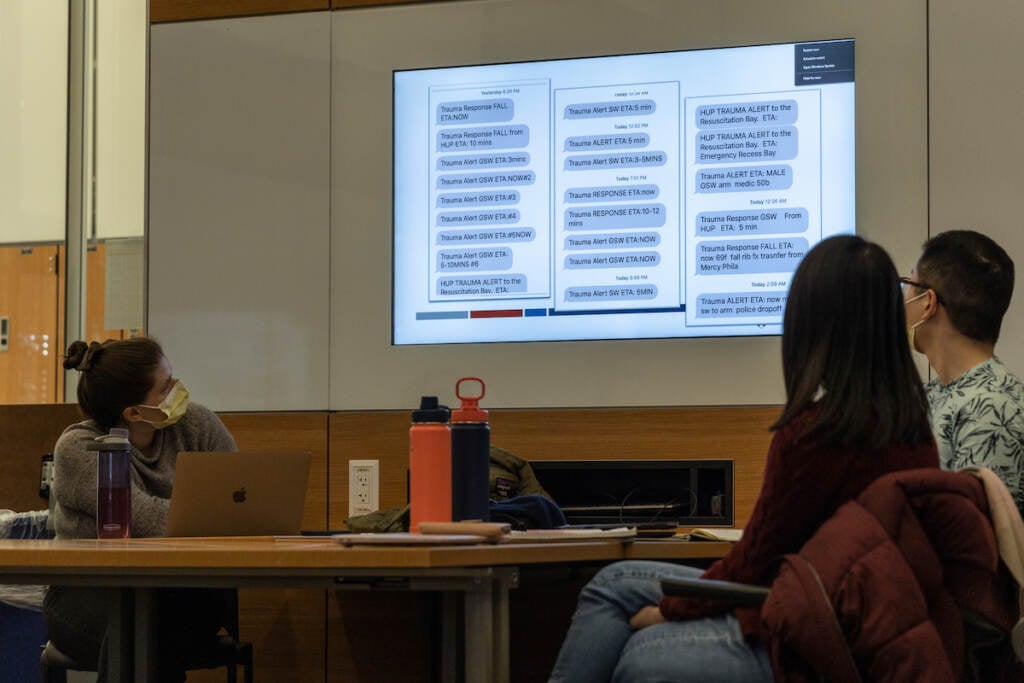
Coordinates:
(637,196)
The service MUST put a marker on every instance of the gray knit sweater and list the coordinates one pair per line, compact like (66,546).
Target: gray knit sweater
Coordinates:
(74,476)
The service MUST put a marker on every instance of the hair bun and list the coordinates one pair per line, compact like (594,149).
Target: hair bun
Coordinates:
(80,355)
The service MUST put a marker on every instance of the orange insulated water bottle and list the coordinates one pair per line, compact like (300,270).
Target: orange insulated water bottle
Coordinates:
(430,464)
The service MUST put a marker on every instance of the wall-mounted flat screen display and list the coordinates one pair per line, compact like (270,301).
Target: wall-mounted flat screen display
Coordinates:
(637,196)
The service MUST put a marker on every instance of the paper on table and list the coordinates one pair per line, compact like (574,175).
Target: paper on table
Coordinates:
(730,535)
(549,535)
(406,538)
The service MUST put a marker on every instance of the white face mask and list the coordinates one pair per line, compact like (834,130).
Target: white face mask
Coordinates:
(173,406)
(911,328)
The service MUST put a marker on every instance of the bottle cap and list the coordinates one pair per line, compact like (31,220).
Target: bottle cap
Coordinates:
(430,411)
(470,410)
(116,440)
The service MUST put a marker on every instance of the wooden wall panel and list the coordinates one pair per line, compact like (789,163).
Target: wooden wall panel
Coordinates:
(184,10)
(740,434)
(29,431)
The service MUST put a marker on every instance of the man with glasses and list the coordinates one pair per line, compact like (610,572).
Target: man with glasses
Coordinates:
(955,298)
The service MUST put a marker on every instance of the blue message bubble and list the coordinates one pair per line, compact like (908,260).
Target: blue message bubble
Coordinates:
(486,235)
(475,111)
(479,258)
(611,193)
(477,285)
(600,110)
(478,198)
(775,143)
(624,259)
(450,219)
(618,216)
(611,292)
(759,222)
(589,162)
(484,137)
(744,179)
(740,304)
(492,179)
(465,162)
(728,115)
(740,257)
(615,239)
(579,143)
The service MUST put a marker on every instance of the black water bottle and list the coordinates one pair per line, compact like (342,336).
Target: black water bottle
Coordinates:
(471,456)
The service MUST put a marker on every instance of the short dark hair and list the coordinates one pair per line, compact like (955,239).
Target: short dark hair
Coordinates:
(973,277)
(116,374)
(844,332)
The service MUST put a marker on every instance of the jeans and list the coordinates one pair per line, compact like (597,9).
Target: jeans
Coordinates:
(602,646)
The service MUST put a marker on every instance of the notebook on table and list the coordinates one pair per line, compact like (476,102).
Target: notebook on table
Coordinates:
(238,494)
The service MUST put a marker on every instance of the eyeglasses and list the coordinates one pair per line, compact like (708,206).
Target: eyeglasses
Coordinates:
(904,281)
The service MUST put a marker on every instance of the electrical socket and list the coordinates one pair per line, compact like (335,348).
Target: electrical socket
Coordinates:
(363,486)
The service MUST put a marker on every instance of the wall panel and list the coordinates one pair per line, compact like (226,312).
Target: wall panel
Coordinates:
(239,223)
(975,145)
(367,372)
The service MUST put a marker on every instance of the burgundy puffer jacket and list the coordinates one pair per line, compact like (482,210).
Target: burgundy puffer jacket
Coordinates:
(877,594)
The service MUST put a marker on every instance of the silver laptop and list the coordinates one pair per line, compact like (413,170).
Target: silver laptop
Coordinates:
(238,494)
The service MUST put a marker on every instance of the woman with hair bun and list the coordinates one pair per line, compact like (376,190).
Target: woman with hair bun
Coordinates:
(129,384)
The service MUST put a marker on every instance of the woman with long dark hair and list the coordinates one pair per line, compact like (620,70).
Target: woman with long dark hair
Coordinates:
(855,410)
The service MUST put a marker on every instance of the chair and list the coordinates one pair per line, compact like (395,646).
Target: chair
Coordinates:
(227,650)
(922,544)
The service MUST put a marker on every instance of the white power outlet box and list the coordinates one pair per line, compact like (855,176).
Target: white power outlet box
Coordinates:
(363,486)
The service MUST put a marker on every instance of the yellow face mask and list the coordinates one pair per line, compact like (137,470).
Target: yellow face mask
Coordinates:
(173,406)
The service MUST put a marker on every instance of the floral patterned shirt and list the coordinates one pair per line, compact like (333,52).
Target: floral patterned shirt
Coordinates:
(978,419)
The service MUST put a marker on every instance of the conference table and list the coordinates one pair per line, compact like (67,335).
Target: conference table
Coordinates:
(482,574)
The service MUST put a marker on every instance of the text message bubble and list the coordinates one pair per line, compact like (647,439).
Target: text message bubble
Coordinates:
(475,111)
(478,198)
(611,293)
(481,258)
(611,193)
(492,179)
(590,162)
(764,222)
(624,259)
(735,257)
(474,285)
(467,162)
(479,217)
(740,304)
(744,179)
(579,143)
(776,143)
(609,240)
(728,115)
(486,235)
(624,216)
(485,137)
(599,110)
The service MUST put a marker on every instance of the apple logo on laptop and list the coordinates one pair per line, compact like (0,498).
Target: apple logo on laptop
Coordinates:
(239,495)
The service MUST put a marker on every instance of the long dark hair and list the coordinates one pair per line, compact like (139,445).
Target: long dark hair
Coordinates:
(116,374)
(844,343)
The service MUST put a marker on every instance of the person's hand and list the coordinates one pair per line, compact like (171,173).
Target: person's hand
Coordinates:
(648,616)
